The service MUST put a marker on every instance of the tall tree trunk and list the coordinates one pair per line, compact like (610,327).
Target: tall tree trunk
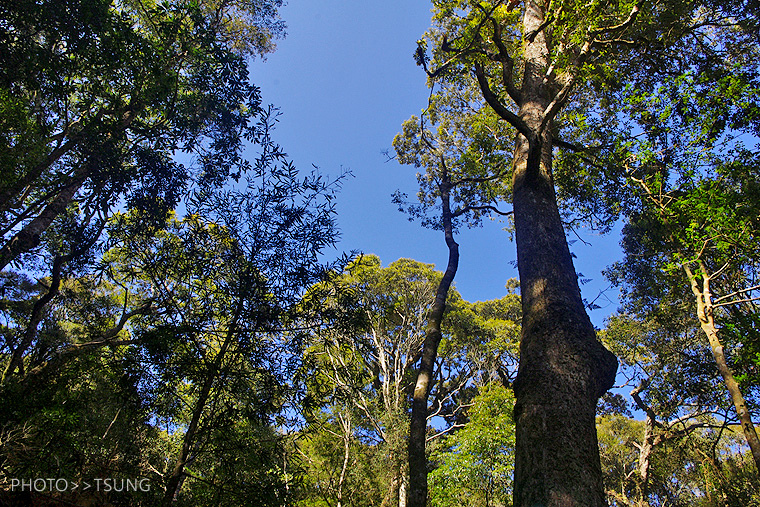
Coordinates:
(645,454)
(707,323)
(418,487)
(563,368)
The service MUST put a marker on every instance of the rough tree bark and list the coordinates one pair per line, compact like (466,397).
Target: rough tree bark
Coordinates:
(563,368)
(418,488)
(29,236)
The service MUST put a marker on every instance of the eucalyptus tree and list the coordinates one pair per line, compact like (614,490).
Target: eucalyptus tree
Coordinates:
(677,388)
(360,368)
(540,66)
(707,467)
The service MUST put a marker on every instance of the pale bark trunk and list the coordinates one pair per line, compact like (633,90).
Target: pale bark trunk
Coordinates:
(707,323)
(345,424)
(648,444)
(402,490)
(645,453)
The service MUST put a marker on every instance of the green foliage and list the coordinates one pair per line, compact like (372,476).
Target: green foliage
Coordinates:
(678,108)
(709,222)
(321,454)
(100,95)
(83,418)
(620,439)
(707,467)
(474,465)
(360,363)
(185,332)
(463,148)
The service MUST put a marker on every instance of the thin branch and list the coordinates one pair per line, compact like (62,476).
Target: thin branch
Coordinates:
(748,289)
(484,207)
(622,26)
(443,432)
(736,302)
(507,63)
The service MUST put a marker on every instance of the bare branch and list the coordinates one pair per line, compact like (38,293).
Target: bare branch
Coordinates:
(736,302)
(740,291)
(443,432)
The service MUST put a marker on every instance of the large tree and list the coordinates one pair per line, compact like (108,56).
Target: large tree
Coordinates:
(538,64)
(687,180)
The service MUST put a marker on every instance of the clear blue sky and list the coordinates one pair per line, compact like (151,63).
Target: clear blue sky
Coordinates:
(344,80)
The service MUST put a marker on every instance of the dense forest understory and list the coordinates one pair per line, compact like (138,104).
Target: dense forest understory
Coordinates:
(175,328)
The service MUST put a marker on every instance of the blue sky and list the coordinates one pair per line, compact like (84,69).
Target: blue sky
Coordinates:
(344,80)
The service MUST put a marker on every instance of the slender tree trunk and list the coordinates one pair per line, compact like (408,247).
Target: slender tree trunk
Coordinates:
(649,442)
(345,424)
(29,236)
(418,487)
(707,323)
(174,480)
(389,497)
(402,483)
(17,357)
(563,368)
(645,453)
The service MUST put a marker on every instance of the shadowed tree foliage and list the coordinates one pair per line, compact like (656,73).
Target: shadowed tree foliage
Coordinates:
(97,96)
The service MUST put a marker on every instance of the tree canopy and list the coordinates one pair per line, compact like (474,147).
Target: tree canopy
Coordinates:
(172,313)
